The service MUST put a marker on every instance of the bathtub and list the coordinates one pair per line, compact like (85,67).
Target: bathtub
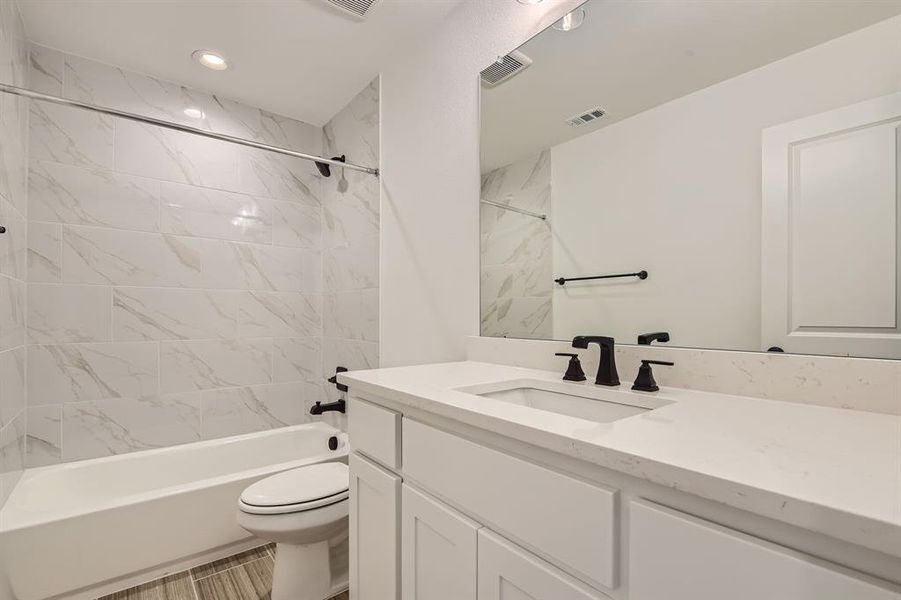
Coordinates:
(77,530)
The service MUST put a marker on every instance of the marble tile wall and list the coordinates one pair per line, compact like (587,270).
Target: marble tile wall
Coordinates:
(175,288)
(516,259)
(13,248)
(350,241)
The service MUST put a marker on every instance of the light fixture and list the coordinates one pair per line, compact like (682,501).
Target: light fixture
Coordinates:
(210,60)
(571,20)
(194,113)
(528,1)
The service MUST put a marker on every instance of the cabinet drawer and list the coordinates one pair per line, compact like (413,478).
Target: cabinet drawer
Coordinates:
(679,557)
(374,431)
(510,573)
(566,520)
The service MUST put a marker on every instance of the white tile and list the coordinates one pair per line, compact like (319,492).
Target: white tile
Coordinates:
(353,267)
(45,72)
(12,313)
(106,256)
(204,212)
(353,215)
(174,156)
(342,315)
(70,135)
(82,372)
(13,243)
(353,354)
(67,313)
(296,225)
(369,315)
(13,151)
(68,194)
(234,265)
(12,384)
(43,444)
(108,427)
(297,359)
(279,177)
(198,365)
(12,455)
(174,314)
(247,409)
(44,252)
(280,314)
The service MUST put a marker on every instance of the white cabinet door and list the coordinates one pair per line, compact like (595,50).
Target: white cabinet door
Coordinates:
(374,531)
(830,266)
(673,556)
(438,550)
(507,572)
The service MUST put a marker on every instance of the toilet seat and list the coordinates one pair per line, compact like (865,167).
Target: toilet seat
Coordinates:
(297,490)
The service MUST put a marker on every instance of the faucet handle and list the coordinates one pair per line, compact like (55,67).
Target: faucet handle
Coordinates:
(574,370)
(645,381)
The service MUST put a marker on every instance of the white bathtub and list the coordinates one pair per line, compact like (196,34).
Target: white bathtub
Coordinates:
(90,527)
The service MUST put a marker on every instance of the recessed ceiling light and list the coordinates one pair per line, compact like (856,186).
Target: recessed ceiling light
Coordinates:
(195,113)
(210,60)
(570,21)
(528,1)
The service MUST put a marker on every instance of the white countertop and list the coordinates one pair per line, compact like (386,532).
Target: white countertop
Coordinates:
(829,470)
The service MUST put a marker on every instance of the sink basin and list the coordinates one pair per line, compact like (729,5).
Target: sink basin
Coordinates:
(584,401)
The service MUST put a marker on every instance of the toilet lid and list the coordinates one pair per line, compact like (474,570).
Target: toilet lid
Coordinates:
(298,486)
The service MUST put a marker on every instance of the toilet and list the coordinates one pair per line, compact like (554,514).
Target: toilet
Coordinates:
(299,510)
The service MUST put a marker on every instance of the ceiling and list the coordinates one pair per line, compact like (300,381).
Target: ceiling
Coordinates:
(630,56)
(299,58)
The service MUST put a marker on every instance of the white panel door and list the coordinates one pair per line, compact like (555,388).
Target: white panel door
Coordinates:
(438,550)
(507,572)
(830,232)
(677,557)
(374,531)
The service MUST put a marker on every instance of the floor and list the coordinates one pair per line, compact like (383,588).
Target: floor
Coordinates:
(244,576)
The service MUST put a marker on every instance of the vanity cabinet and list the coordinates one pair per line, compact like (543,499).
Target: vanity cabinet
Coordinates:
(674,556)
(374,531)
(510,573)
(436,515)
(438,550)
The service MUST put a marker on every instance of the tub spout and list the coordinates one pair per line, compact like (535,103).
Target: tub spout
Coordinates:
(319,408)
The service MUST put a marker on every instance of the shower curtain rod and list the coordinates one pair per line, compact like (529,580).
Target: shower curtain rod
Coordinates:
(515,209)
(26,93)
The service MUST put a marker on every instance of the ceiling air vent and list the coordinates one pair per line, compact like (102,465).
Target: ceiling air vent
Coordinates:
(589,116)
(355,8)
(504,68)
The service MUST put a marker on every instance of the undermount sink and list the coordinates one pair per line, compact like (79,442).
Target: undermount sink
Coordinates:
(583,401)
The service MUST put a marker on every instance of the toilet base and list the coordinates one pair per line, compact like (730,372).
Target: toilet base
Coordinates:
(302,572)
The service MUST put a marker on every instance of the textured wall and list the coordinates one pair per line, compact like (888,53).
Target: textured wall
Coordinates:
(175,282)
(13,205)
(516,254)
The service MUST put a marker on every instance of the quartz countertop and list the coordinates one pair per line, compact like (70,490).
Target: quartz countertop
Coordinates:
(828,470)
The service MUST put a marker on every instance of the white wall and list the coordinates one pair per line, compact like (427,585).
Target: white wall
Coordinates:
(676,190)
(430,178)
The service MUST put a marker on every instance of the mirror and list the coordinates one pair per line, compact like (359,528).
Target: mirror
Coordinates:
(745,156)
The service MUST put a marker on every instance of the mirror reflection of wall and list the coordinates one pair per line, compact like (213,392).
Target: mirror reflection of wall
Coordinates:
(747,157)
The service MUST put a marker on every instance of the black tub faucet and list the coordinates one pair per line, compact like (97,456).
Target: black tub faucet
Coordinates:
(607,374)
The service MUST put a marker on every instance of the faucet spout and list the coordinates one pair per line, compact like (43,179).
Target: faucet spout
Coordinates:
(607,374)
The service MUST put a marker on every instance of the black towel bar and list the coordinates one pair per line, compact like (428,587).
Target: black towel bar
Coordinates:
(639,274)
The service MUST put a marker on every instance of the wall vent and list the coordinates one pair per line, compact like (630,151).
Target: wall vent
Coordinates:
(504,68)
(589,116)
(355,8)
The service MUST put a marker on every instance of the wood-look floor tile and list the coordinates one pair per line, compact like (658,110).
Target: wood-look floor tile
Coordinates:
(341,596)
(174,587)
(229,562)
(249,581)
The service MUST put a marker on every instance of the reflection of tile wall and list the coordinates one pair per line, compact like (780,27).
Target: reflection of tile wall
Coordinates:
(350,240)
(516,250)
(13,247)
(175,281)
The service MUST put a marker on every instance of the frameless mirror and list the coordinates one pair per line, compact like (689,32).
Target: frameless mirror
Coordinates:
(726,172)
